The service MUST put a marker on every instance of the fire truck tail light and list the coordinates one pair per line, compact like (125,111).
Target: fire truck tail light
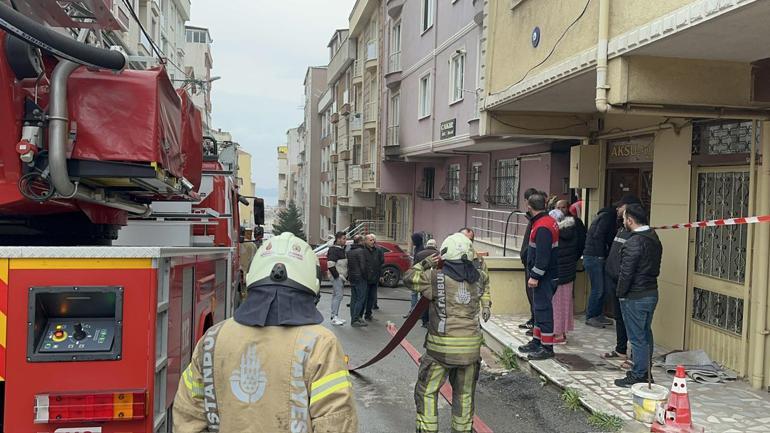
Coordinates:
(83,407)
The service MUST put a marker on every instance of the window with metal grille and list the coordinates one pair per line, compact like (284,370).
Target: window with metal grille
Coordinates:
(451,190)
(505,186)
(722,137)
(719,310)
(426,185)
(472,184)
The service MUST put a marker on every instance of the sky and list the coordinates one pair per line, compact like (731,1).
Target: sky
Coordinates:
(261,50)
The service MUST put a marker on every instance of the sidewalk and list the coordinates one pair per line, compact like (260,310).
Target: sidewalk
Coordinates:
(726,407)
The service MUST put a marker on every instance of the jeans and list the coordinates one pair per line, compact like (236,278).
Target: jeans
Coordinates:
(371,298)
(637,314)
(337,293)
(543,301)
(621,337)
(595,268)
(357,299)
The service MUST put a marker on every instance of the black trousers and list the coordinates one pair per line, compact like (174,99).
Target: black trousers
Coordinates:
(371,298)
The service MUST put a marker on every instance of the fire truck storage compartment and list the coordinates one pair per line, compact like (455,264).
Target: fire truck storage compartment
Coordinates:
(74,324)
(131,116)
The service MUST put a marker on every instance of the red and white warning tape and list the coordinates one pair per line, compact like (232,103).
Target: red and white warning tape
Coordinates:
(718,223)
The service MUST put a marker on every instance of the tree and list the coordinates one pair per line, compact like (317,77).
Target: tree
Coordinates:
(289,219)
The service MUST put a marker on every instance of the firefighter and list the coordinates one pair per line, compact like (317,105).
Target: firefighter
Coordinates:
(457,291)
(272,358)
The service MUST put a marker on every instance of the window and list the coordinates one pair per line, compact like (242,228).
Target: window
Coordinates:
(506,183)
(452,189)
(472,187)
(395,47)
(393,119)
(427,14)
(426,186)
(425,102)
(457,77)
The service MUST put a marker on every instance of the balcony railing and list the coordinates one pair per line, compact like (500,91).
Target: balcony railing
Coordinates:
(392,135)
(368,174)
(394,63)
(355,174)
(358,68)
(501,228)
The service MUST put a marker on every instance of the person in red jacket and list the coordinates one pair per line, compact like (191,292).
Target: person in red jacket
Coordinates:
(543,270)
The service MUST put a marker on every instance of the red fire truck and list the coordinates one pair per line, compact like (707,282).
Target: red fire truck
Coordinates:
(119,231)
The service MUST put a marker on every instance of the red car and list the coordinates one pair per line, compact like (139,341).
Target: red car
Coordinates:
(396,261)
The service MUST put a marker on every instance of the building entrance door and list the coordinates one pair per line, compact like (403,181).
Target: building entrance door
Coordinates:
(635,180)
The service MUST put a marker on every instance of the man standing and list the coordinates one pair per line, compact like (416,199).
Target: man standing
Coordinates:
(529,324)
(357,275)
(459,291)
(611,274)
(374,261)
(542,268)
(598,242)
(272,358)
(337,263)
(637,290)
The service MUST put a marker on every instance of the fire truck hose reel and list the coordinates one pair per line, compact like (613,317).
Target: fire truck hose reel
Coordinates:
(57,43)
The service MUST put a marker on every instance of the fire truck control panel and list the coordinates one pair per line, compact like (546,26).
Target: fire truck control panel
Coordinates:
(76,335)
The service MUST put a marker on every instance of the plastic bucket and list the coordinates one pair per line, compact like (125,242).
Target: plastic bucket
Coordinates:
(646,400)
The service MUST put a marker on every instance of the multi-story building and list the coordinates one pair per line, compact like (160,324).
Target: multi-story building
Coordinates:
(315,86)
(295,143)
(670,101)
(246,187)
(283,176)
(440,174)
(198,63)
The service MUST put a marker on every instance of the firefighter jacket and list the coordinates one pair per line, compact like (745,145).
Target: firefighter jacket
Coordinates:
(542,253)
(454,333)
(250,379)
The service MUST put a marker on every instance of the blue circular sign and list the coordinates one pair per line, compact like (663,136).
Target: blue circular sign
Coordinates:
(536,37)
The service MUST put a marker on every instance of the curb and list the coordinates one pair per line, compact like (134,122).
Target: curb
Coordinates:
(497,339)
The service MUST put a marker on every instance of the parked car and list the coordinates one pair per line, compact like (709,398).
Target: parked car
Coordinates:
(397,262)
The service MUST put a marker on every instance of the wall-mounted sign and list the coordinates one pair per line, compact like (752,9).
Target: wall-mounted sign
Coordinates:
(631,150)
(448,129)
(536,37)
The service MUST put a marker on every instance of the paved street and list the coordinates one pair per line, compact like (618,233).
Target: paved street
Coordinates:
(515,402)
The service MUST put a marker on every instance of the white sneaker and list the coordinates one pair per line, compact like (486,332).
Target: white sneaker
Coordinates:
(337,321)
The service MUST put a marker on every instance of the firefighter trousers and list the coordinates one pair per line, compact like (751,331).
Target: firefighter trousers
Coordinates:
(430,378)
(543,301)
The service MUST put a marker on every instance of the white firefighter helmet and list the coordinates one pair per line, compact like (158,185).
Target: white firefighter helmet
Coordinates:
(457,247)
(285,260)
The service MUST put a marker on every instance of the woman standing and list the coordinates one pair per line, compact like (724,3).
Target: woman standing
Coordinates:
(572,236)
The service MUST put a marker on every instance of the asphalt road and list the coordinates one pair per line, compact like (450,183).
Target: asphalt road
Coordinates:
(514,402)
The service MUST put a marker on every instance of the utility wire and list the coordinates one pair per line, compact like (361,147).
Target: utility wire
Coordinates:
(553,49)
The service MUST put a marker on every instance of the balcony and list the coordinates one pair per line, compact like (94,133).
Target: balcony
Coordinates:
(370,114)
(394,8)
(334,158)
(345,155)
(335,118)
(358,71)
(394,62)
(394,75)
(341,61)
(345,109)
(392,146)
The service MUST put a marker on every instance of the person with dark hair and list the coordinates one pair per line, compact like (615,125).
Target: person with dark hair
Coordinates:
(542,268)
(338,268)
(358,287)
(598,242)
(611,272)
(375,259)
(637,290)
(529,324)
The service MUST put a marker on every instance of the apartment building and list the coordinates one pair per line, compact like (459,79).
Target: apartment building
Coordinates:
(283,176)
(198,63)
(246,187)
(310,156)
(670,101)
(326,109)
(439,173)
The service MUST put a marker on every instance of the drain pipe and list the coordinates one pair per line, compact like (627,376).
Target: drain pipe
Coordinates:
(601,57)
(760,290)
(58,130)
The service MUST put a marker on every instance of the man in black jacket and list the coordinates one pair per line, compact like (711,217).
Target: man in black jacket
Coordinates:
(637,290)
(598,242)
(357,277)
(374,261)
(529,324)
(611,271)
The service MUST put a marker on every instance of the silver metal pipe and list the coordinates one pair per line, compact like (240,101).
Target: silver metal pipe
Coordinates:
(58,128)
